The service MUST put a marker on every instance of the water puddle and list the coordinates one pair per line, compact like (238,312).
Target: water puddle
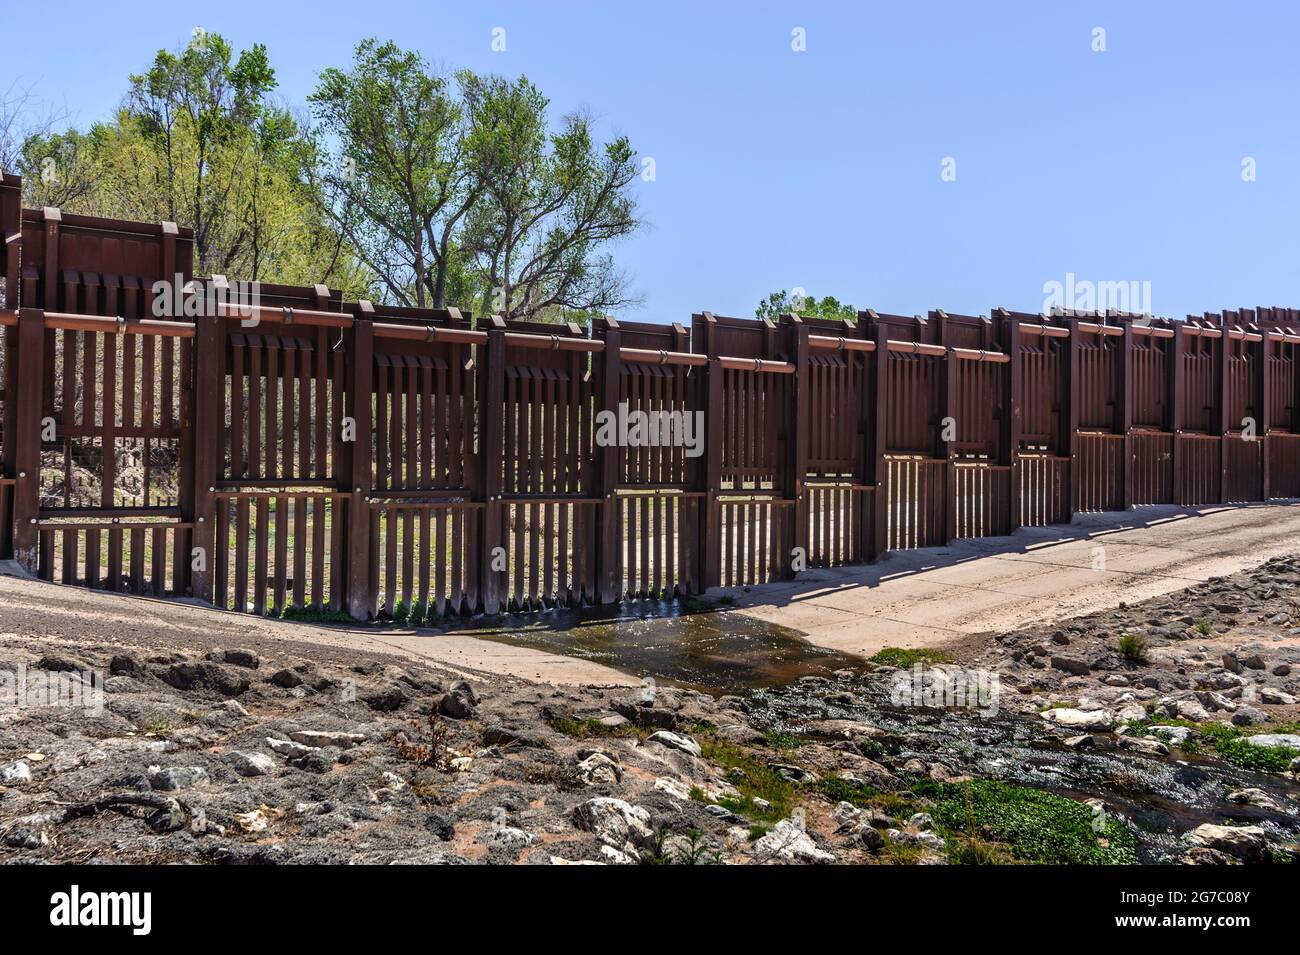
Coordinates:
(716,652)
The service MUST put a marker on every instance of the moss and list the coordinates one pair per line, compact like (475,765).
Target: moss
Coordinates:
(1031,825)
(903,658)
(752,779)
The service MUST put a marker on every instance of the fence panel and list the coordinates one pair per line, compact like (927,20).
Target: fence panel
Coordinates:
(1153,467)
(1100,472)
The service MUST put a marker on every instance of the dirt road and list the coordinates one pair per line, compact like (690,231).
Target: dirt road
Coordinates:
(932,597)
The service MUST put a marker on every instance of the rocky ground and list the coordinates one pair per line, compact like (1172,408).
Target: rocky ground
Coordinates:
(285,753)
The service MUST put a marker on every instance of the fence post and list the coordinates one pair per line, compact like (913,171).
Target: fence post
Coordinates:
(880,441)
(1125,411)
(27,434)
(1224,381)
(11,234)
(1072,413)
(1263,404)
(1012,392)
(608,532)
(1174,410)
(362,592)
(796,533)
(491,388)
(948,395)
(208,346)
(710,551)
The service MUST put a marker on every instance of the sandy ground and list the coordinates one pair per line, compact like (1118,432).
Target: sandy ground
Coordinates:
(937,596)
(931,597)
(32,607)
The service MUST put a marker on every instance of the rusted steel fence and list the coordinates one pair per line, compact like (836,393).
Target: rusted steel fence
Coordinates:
(302,454)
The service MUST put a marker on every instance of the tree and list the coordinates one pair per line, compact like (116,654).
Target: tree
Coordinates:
(200,142)
(21,118)
(552,202)
(806,306)
(395,177)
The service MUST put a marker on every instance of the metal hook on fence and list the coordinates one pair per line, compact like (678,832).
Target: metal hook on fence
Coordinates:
(663,357)
(758,364)
(555,343)
(433,334)
(287,312)
(843,345)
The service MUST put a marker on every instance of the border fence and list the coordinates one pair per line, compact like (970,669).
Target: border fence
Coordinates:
(313,454)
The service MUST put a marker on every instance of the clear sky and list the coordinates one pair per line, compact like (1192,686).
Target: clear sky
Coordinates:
(821,169)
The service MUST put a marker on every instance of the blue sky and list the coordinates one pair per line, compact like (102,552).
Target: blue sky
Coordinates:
(821,169)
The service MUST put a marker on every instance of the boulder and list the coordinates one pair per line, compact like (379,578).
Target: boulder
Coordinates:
(250,764)
(675,741)
(1246,843)
(613,821)
(177,777)
(1093,720)
(790,843)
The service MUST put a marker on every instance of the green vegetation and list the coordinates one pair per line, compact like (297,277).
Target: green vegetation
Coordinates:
(1034,826)
(903,658)
(752,779)
(806,306)
(1263,759)
(314,613)
(1228,742)
(1133,647)
(1203,627)
(594,729)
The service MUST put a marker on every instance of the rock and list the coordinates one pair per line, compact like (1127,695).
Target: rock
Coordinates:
(286,678)
(1252,797)
(614,721)
(1191,711)
(440,825)
(288,748)
(1144,744)
(19,771)
(60,664)
(177,777)
(1201,855)
(1230,662)
(1275,697)
(504,736)
(1096,720)
(239,658)
(464,688)
(1247,715)
(788,842)
(673,787)
(648,716)
(600,769)
(1253,662)
(675,741)
(1246,843)
(921,820)
(1080,742)
(455,705)
(317,738)
(794,774)
(126,664)
(250,764)
(1173,734)
(205,676)
(1071,665)
(170,818)
(1060,637)
(384,699)
(613,821)
(1215,702)
(617,857)
(1282,669)
(871,837)
(509,838)
(1275,740)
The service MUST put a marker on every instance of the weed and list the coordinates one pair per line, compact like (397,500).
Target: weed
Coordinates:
(904,658)
(433,750)
(1133,647)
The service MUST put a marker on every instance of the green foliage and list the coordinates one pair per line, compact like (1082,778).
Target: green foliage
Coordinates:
(806,306)
(1133,647)
(314,613)
(201,142)
(752,779)
(837,789)
(904,658)
(1262,759)
(591,728)
(1203,627)
(1033,825)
